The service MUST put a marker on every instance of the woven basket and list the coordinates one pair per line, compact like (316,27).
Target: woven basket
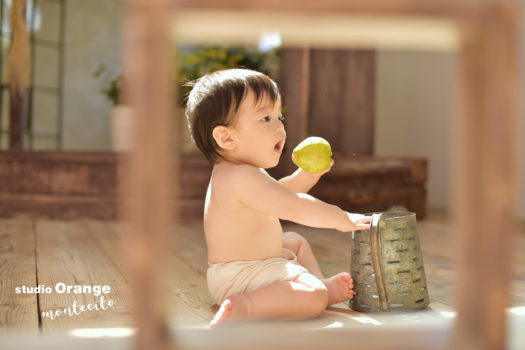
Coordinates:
(387,265)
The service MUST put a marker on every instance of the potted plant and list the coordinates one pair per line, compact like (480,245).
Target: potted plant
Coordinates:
(120,115)
(191,62)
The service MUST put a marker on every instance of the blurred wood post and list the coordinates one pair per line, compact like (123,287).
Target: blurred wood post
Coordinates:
(485,177)
(147,178)
(19,67)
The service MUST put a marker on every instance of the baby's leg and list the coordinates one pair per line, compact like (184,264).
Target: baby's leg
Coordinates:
(340,286)
(306,297)
(305,257)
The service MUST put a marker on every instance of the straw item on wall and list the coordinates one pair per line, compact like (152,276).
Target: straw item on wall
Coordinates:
(19,68)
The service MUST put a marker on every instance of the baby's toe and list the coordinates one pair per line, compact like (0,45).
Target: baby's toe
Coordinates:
(346,277)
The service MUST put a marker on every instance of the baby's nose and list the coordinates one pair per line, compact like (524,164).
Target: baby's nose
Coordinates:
(280,126)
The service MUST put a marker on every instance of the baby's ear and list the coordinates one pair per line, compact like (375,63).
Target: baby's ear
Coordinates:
(223,137)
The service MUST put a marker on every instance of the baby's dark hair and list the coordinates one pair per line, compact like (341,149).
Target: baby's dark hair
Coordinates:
(216,97)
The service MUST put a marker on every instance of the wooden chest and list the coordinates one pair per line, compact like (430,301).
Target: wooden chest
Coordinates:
(70,185)
(84,184)
(369,184)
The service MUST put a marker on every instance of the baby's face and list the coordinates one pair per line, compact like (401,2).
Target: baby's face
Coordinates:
(258,132)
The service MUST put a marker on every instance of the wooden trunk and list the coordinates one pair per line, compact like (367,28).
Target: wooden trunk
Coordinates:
(71,185)
(84,184)
(368,184)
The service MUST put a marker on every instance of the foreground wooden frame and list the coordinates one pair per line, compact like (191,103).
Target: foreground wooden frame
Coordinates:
(485,128)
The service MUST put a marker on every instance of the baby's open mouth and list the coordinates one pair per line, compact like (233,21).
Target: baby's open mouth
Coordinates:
(279,146)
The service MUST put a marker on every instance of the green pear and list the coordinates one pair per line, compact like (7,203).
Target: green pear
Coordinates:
(312,154)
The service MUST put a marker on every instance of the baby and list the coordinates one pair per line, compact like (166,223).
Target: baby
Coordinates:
(255,270)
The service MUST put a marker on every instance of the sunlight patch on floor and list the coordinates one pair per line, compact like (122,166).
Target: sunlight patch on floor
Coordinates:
(102,332)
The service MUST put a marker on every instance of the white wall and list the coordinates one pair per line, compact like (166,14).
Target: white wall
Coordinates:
(92,38)
(414,108)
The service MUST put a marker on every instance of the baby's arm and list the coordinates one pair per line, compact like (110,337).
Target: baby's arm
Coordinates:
(302,181)
(256,190)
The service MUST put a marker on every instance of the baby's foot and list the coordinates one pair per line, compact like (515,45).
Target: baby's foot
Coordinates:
(231,310)
(339,288)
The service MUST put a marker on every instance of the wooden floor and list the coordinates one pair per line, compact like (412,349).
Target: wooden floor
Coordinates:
(86,252)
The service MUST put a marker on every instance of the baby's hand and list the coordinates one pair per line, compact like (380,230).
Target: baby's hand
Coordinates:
(353,222)
(318,175)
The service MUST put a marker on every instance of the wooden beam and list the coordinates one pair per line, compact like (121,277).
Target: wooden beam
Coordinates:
(447,8)
(321,30)
(485,177)
(148,90)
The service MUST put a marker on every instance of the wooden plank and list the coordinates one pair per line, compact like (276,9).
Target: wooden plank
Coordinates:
(66,253)
(329,93)
(332,30)
(17,270)
(326,95)
(485,173)
(295,90)
(188,244)
(187,301)
(356,132)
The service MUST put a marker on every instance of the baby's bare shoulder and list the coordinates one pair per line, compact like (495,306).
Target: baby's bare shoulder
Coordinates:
(237,181)
(240,173)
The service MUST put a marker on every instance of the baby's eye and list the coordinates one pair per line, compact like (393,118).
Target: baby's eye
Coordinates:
(281,118)
(266,119)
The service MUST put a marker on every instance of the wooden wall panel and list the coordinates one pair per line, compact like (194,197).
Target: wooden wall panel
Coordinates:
(331,93)
(356,132)
(328,93)
(295,90)
(341,100)
(327,69)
